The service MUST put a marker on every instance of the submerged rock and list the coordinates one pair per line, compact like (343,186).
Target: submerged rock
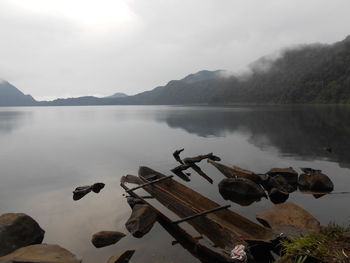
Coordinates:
(314,180)
(106,238)
(289,174)
(42,253)
(141,220)
(288,214)
(278,196)
(18,230)
(240,189)
(122,257)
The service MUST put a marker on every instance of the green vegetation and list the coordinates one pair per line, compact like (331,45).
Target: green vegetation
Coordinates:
(331,244)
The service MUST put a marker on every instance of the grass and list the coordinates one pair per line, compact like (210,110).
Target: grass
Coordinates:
(326,245)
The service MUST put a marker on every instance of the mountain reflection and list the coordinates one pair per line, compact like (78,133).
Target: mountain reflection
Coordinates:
(10,120)
(301,131)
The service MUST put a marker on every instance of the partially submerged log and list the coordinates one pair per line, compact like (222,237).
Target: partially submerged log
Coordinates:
(106,238)
(288,215)
(240,189)
(121,257)
(223,228)
(235,171)
(314,180)
(141,220)
(176,155)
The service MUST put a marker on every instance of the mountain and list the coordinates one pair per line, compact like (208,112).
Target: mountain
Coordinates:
(197,88)
(317,73)
(117,95)
(11,96)
(308,74)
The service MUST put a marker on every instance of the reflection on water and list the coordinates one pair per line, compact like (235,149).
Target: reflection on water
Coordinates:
(11,120)
(302,131)
(46,152)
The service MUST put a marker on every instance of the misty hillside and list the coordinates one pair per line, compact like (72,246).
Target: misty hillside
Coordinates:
(308,74)
(197,88)
(11,96)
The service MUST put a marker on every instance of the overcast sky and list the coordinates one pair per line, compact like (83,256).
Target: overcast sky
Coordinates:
(64,48)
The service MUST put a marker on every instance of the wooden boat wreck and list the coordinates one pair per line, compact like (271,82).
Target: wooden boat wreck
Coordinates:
(224,228)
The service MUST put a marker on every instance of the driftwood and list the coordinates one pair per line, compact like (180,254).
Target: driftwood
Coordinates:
(235,171)
(178,170)
(196,168)
(197,159)
(176,155)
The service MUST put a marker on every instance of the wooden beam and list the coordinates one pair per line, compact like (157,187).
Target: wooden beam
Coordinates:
(201,214)
(149,183)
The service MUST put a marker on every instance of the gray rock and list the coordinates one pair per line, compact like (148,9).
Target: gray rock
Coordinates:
(233,188)
(42,253)
(18,230)
(122,257)
(141,220)
(106,238)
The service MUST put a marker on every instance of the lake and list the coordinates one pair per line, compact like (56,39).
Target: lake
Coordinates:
(48,151)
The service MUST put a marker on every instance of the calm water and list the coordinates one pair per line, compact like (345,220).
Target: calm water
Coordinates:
(46,152)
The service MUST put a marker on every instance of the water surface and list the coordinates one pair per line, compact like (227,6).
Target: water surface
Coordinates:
(48,151)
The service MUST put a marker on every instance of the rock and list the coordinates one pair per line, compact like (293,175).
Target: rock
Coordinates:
(122,257)
(278,196)
(288,214)
(18,230)
(141,220)
(240,188)
(314,180)
(132,201)
(97,187)
(81,191)
(279,182)
(106,238)
(288,173)
(42,253)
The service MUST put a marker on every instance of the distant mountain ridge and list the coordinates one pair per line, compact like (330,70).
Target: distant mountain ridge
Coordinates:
(11,96)
(117,95)
(316,73)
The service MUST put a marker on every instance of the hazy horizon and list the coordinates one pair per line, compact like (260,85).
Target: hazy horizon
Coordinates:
(58,49)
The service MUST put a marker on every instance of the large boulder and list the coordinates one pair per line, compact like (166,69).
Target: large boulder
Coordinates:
(141,220)
(288,173)
(18,230)
(240,188)
(314,180)
(42,253)
(288,215)
(122,257)
(106,238)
